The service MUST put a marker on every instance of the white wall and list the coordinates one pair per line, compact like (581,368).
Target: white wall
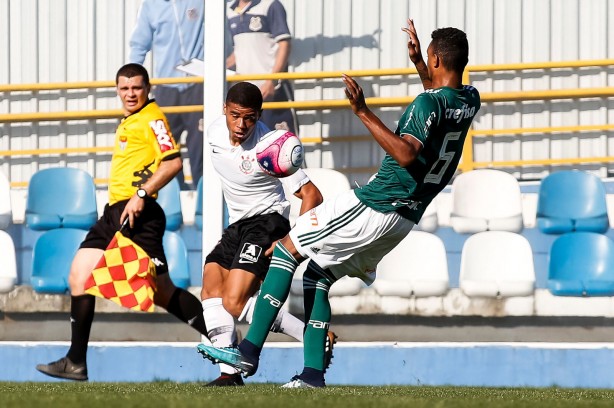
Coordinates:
(82,40)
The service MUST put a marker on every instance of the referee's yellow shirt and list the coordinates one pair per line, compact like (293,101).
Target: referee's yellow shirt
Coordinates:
(142,141)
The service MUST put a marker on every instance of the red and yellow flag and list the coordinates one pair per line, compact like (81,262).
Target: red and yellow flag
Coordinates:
(124,275)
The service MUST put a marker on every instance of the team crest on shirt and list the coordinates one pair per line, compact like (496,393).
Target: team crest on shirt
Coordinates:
(255,23)
(123,142)
(250,253)
(247,164)
(192,14)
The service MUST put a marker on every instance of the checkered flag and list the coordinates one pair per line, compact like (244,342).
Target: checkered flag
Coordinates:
(125,275)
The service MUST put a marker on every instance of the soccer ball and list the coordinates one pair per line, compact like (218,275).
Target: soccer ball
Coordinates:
(279,153)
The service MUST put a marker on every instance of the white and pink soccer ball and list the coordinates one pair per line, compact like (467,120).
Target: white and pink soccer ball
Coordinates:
(279,153)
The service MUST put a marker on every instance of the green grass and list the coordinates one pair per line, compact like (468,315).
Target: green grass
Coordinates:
(166,394)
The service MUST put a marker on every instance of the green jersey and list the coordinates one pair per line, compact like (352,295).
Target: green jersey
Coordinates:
(440,119)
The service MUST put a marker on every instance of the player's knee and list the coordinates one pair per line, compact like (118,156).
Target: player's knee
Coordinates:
(76,282)
(233,305)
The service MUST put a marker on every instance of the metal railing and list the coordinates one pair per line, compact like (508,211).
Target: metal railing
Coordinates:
(466,164)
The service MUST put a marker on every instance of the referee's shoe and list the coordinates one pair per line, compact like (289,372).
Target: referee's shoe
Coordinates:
(64,368)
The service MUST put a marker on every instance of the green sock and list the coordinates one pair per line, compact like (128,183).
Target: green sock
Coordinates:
(273,294)
(316,283)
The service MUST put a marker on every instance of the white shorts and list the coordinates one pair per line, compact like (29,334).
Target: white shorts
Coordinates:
(347,237)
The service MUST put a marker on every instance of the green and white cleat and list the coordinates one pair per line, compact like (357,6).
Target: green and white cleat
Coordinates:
(229,355)
(297,382)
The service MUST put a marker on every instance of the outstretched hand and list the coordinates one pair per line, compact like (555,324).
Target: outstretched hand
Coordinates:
(413,44)
(354,93)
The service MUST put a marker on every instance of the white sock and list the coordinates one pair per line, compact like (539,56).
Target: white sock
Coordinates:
(284,322)
(220,328)
(289,324)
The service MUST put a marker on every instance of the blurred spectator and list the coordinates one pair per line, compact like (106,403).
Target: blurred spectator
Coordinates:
(174,32)
(262,45)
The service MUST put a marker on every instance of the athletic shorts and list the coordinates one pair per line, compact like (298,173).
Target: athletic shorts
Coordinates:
(147,232)
(345,236)
(244,243)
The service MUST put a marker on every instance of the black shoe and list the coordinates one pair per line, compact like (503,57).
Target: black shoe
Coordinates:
(227,380)
(331,340)
(64,368)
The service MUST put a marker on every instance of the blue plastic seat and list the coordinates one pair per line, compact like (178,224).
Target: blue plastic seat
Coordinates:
(572,200)
(61,197)
(198,216)
(169,198)
(177,258)
(582,264)
(52,256)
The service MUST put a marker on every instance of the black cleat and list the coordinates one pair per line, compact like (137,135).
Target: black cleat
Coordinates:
(227,380)
(331,340)
(64,368)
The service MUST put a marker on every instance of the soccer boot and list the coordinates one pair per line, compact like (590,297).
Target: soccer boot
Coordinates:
(229,355)
(331,340)
(64,368)
(227,380)
(297,382)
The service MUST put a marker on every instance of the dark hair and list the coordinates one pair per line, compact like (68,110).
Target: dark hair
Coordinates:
(451,45)
(245,94)
(132,70)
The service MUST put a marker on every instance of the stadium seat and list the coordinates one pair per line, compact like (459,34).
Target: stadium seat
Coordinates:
(572,200)
(8,266)
(429,221)
(198,215)
(169,198)
(486,200)
(177,258)
(416,267)
(6,213)
(497,264)
(581,264)
(330,182)
(52,256)
(61,197)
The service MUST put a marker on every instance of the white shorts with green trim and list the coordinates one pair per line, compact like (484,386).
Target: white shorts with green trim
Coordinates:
(347,237)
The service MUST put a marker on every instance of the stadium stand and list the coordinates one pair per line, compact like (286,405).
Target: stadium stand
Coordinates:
(8,267)
(51,259)
(169,198)
(486,200)
(581,264)
(416,267)
(572,200)
(61,197)
(429,221)
(177,258)
(497,264)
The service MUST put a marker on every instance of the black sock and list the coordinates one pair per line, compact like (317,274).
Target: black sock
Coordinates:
(313,377)
(81,318)
(187,308)
(250,350)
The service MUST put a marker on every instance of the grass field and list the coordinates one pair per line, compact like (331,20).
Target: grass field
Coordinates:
(165,394)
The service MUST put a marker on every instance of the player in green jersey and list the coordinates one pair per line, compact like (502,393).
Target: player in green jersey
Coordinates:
(351,233)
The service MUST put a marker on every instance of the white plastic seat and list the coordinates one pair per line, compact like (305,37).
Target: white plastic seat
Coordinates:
(429,221)
(416,267)
(6,213)
(330,182)
(8,267)
(497,264)
(486,200)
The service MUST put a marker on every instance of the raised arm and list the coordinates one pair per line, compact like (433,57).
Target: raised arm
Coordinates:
(402,149)
(415,54)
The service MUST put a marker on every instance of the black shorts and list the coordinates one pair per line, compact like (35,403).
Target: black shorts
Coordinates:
(147,232)
(244,242)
